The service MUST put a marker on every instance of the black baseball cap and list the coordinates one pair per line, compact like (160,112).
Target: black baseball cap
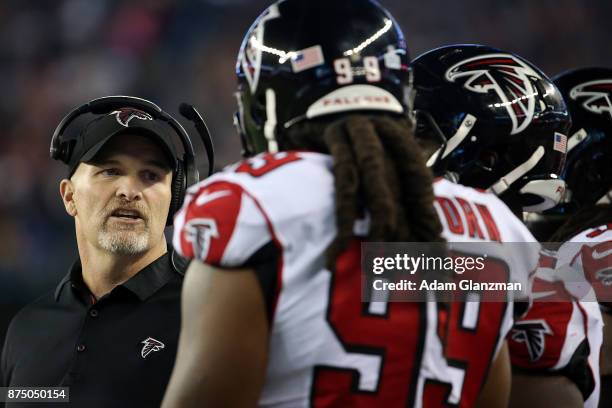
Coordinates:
(121,121)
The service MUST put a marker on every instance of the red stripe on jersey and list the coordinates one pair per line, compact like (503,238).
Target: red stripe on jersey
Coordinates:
(598,231)
(264,163)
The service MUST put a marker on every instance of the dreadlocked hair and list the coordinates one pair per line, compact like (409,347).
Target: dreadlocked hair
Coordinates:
(378,166)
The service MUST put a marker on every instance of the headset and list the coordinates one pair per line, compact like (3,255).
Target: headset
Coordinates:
(186,173)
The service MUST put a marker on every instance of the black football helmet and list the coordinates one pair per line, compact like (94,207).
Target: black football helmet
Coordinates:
(501,123)
(305,59)
(588,168)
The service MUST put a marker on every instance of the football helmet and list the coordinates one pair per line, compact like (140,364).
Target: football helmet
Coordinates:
(588,168)
(305,59)
(500,123)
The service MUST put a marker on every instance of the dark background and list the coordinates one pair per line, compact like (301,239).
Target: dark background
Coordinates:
(55,55)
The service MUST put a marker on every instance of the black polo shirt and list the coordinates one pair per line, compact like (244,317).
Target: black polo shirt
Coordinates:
(117,351)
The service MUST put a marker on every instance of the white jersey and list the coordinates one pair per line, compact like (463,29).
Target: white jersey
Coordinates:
(475,221)
(563,332)
(584,263)
(275,213)
(471,216)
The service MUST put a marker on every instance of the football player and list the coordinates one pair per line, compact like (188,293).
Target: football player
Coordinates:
(502,124)
(496,116)
(587,232)
(489,120)
(568,334)
(272,311)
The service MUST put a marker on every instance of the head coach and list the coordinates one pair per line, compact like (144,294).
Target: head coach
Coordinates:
(109,331)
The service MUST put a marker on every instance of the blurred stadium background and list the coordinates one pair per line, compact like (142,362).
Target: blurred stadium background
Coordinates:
(55,55)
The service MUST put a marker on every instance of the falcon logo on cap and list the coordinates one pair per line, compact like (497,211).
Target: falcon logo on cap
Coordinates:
(125,115)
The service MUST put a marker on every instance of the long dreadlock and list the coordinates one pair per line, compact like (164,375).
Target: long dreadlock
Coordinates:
(378,166)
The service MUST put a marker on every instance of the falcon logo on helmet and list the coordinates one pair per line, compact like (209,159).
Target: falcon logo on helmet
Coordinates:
(532,332)
(254,49)
(125,115)
(596,95)
(508,77)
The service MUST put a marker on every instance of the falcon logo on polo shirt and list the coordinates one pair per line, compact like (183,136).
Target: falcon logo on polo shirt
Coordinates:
(150,345)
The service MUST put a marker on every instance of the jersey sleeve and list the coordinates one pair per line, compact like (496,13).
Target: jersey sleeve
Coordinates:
(559,337)
(220,224)
(585,262)
(559,333)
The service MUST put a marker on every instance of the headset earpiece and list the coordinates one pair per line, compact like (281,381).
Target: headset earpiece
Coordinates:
(61,150)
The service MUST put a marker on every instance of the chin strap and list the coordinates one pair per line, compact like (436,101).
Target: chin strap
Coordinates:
(462,131)
(506,181)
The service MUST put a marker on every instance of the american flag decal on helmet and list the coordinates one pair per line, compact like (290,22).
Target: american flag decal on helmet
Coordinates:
(560,142)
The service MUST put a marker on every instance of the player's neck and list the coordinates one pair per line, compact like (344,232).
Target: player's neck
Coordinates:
(103,271)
